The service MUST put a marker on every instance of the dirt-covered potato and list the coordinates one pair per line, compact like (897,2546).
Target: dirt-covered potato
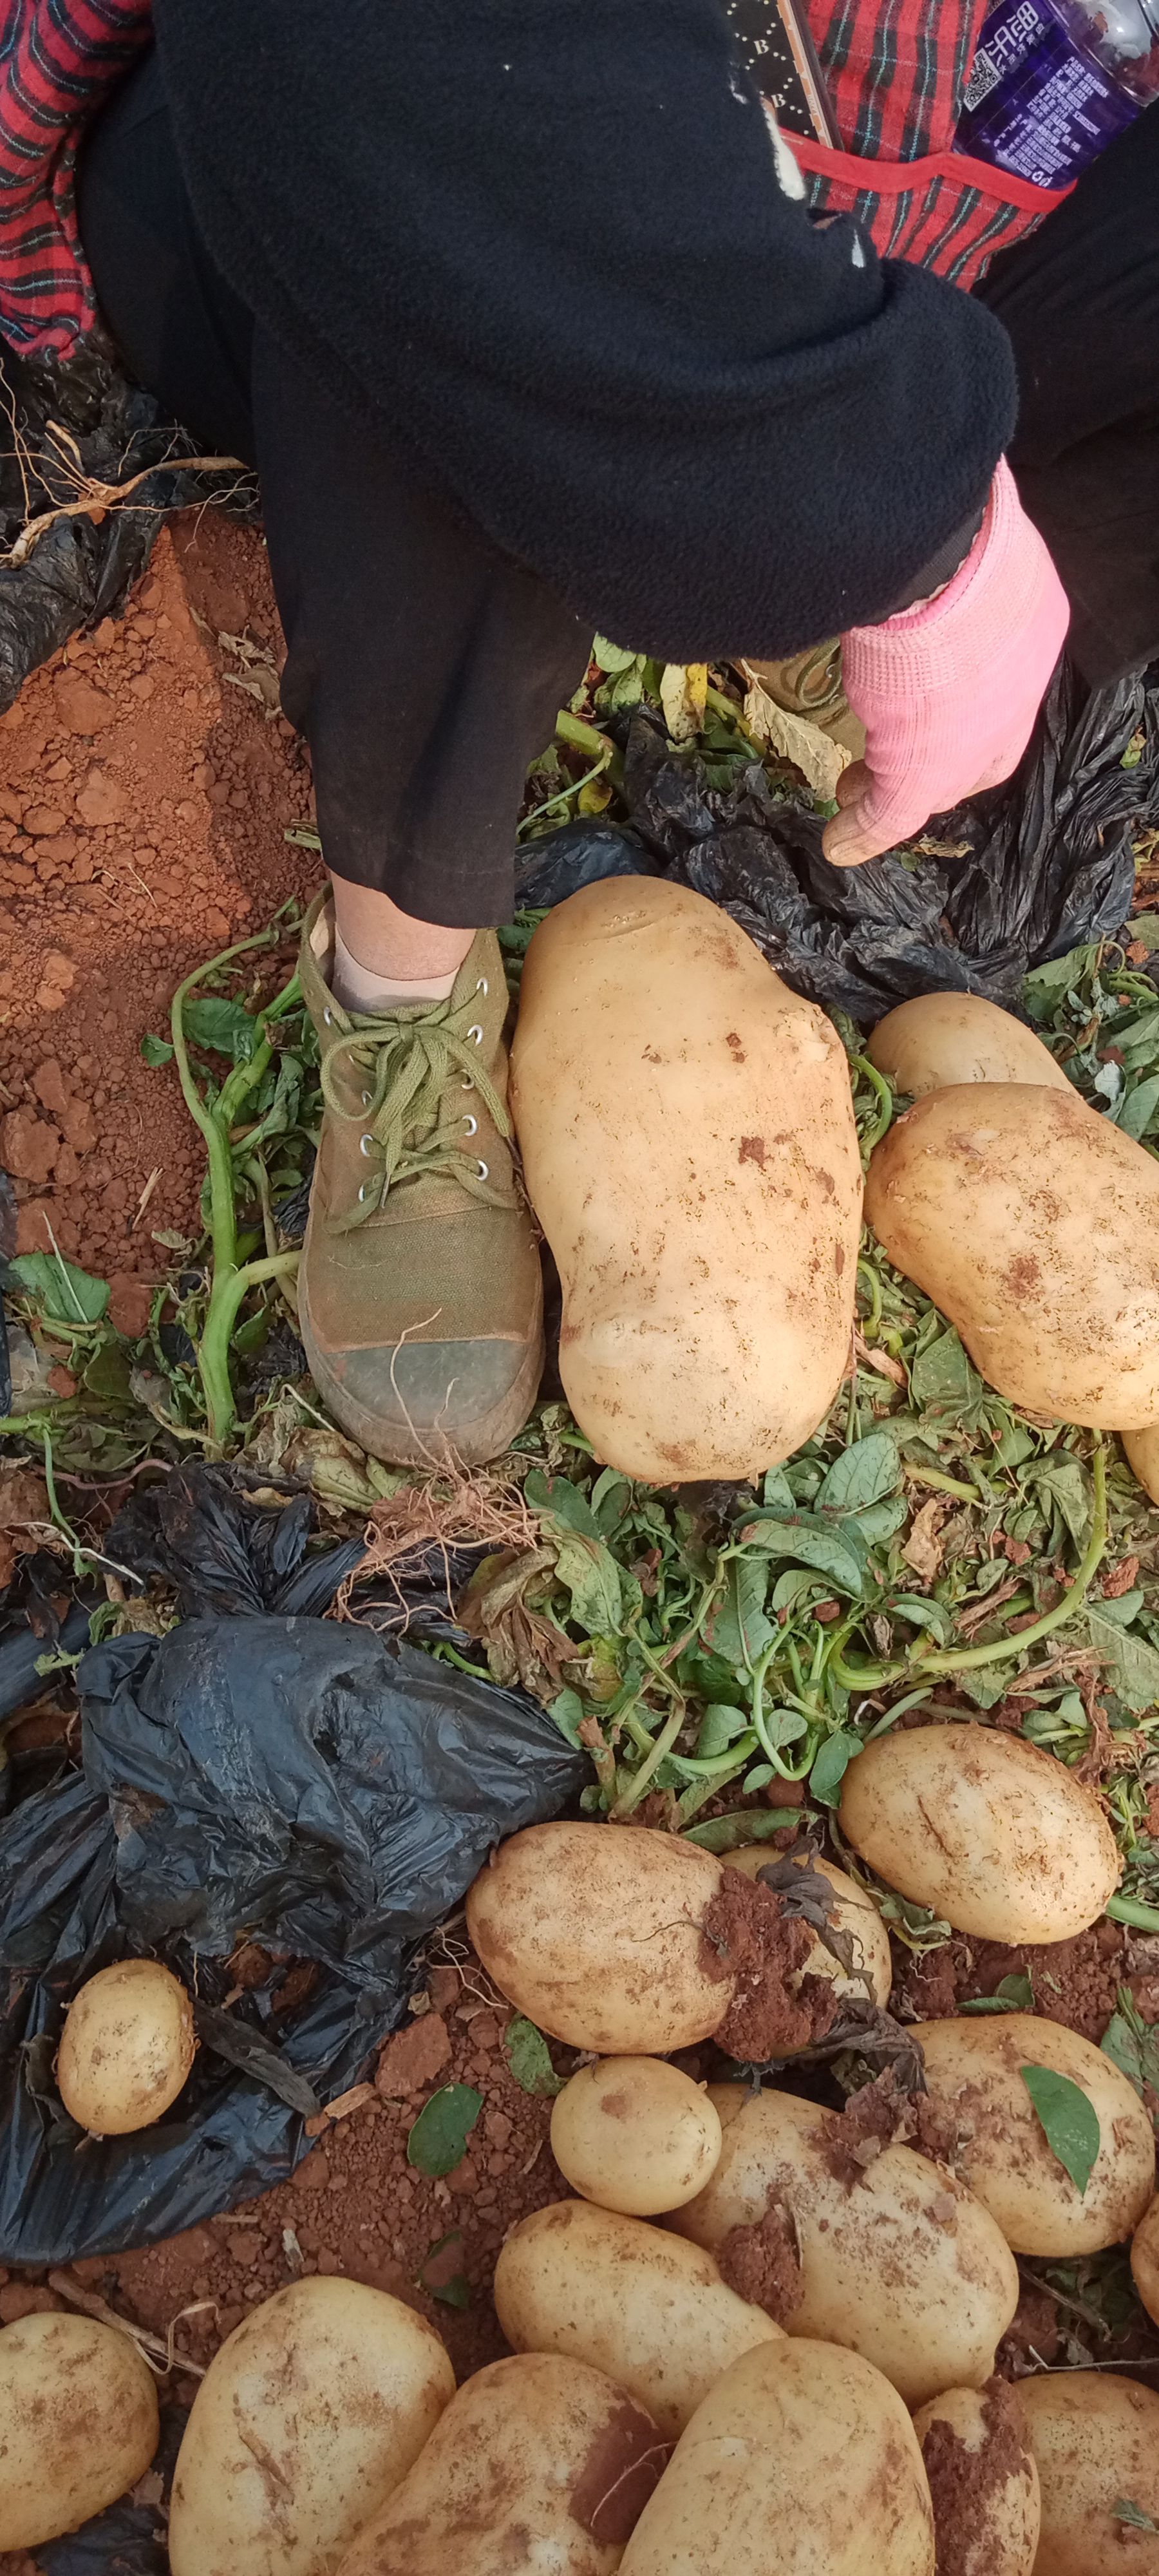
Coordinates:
(974,2072)
(634,2134)
(1095,2441)
(307,2419)
(1145,2259)
(78,2424)
(991,1832)
(650,2310)
(854,1914)
(801,2461)
(1034,1225)
(596,1933)
(539,2464)
(1142,1449)
(943,1038)
(982,2479)
(126,2047)
(687,1132)
(897,2260)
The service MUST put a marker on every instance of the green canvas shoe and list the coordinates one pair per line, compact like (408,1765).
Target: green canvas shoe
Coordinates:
(420,1297)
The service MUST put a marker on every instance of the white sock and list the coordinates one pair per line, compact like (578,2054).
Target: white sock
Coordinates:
(359,990)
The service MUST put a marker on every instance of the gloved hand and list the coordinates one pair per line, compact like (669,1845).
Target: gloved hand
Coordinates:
(948,691)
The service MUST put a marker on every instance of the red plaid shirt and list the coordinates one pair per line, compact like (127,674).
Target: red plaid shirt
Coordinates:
(57,58)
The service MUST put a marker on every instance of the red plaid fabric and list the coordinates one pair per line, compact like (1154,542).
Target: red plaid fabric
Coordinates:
(896,72)
(57,57)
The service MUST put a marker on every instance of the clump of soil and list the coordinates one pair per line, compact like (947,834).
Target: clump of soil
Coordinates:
(1074,1982)
(762,2263)
(775,2010)
(883,2114)
(144,800)
(963,2482)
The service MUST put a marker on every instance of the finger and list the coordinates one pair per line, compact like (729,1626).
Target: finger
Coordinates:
(853,782)
(867,829)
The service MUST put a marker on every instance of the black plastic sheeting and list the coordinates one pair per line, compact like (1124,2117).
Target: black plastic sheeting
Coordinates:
(1049,861)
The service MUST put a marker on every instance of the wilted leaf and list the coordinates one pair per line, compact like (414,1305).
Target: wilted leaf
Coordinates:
(438,2138)
(1132,1666)
(737,1627)
(63,1293)
(1133,2515)
(1132,2045)
(1012,1994)
(819,759)
(1061,1479)
(683,696)
(529,2058)
(941,1378)
(831,1552)
(924,1547)
(1069,2120)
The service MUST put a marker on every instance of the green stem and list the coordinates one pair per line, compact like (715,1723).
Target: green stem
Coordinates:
(630,1796)
(587,737)
(873,1319)
(596,771)
(768,1748)
(941,1484)
(884,1119)
(1130,1909)
(230,1285)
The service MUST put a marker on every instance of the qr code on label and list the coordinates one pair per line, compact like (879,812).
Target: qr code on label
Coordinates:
(985,76)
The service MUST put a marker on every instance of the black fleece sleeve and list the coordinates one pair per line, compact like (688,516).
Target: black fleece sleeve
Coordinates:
(545,240)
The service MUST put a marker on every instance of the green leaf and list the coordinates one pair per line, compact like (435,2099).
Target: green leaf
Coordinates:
(1131,2044)
(1063,1480)
(562,1501)
(941,1379)
(831,1765)
(1139,1107)
(719,1727)
(442,2271)
(777,1493)
(1145,929)
(731,1833)
(832,1552)
(528,2057)
(1014,1994)
(919,1613)
(737,1627)
(63,1293)
(864,1474)
(591,1575)
(880,1520)
(1133,2515)
(1069,2120)
(1132,1665)
(611,1495)
(611,657)
(567,1710)
(438,2138)
(156,1050)
(224,1027)
(1122,1611)
(791,1586)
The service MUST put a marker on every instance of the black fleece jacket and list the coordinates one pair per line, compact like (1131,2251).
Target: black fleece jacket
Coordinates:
(545,242)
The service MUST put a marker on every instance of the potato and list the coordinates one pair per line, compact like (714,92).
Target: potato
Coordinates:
(999,1838)
(1034,1225)
(1096,2445)
(307,2419)
(634,2134)
(594,1932)
(898,2262)
(1142,1449)
(855,1913)
(973,2069)
(1145,2259)
(643,2306)
(801,2461)
(126,2047)
(943,1038)
(982,2479)
(78,2424)
(539,2464)
(686,1126)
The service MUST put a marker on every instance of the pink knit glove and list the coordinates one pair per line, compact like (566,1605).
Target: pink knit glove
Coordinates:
(948,692)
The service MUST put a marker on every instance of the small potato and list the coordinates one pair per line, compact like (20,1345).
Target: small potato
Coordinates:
(940,1038)
(993,1833)
(539,2465)
(1096,2445)
(801,2461)
(594,1931)
(974,2072)
(307,2419)
(983,2480)
(634,2134)
(898,2262)
(78,2424)
(1145,2259)
(1032,1223)
(1142,1449)
(648,2309)
(854,1913)
(126,2048)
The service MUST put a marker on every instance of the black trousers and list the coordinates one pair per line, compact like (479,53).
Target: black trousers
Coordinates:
(424,667)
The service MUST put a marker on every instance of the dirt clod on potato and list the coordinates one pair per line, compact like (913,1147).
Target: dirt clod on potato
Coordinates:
(762,2263)
(882,2114)
(775,2010)
(962,2481)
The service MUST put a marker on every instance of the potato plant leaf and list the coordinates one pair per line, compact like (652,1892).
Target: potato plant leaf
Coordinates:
(1070,2122)
(1131,1665)
(156,1051)
(442,2271)
(1131,2044)
(438,2138)
(831,1765)
(832,1552)
(64,1294)
(1014,1994)
(222,1026)
(528,2057)
(1124,2510)
(864,1474)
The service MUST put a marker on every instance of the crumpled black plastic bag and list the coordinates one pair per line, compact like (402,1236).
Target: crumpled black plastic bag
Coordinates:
(1050,861)
(291,1780)
(224,1554)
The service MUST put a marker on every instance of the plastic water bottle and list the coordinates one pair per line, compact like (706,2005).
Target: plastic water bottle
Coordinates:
(1054,81)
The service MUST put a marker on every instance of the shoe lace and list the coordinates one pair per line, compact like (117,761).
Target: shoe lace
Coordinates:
(404,1069)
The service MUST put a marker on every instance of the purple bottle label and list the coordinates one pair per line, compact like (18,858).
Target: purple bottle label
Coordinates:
(1037,103)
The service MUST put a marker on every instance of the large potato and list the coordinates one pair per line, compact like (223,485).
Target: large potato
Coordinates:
(854,1913)
(944,1038)
(992,1832)
(1034,1225)
(1096,2446)
(898,2261)
(974,2072)
(801,2461)
(594,1931)
(650,2310)
(687,1133)
(983,2481)
(1142,1449)
(307,2419)
(126,2047)
(1145,2259)
(78,2424)
(634,2134)
(539,2464)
